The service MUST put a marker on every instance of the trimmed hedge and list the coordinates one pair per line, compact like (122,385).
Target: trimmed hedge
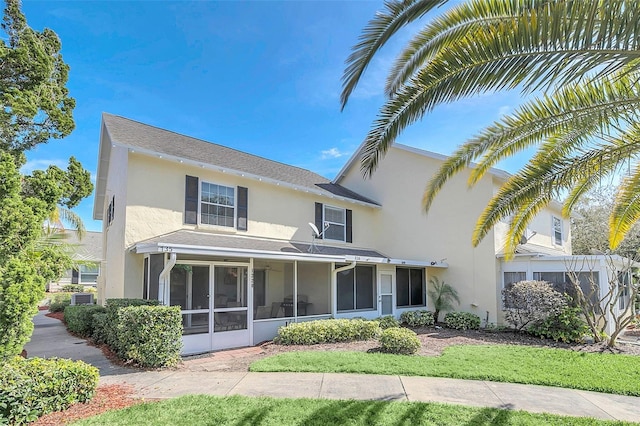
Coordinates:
(73,288)
(150,336)
(112,306)
(397,340)
(327,331)
(99,334)
(80,318)
(566,326)
(421,318)
(30,388)
(462,321)
(388,321)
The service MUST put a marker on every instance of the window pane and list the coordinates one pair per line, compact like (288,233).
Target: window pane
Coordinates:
(556,279)
(365,291)
(402,287)
(511,278)
(335,215)
(346,296)
(417,287)
(335,232)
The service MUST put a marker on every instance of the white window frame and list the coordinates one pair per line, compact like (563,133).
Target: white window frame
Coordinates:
(80,275)
(201,202)
(553,231)
(325,221)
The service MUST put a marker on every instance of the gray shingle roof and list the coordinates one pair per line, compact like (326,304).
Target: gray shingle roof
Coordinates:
(205,239)
(88,249)
(143,136)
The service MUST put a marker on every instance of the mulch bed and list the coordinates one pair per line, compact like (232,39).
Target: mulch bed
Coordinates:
(107,398)
(56,315)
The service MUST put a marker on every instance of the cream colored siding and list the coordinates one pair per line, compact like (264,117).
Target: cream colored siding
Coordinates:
(113,275)
(157,188)
(403,230)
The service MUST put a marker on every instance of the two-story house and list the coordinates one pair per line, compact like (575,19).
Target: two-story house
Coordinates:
(245,244)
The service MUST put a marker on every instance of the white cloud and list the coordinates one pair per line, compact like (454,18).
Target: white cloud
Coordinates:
(42,164)
(504,110)
(332,153)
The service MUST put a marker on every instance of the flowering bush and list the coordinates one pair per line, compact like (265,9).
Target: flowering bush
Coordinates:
(462,321)
(420,318)
(397,340)
(327,331)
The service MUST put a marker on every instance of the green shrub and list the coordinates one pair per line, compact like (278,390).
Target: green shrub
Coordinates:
(150,336)
(111,322)
(59,301)
(566,326)
(73,288)
(32,387)
(327,331)
(388,321)
(99,327)
(462,321)
(79,318)
(531,302)
(420,318)
(397,340)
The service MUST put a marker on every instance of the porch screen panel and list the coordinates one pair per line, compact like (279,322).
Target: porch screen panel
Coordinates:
(365,288)
(156,265)
(402,287)
(346,293)
(314,288)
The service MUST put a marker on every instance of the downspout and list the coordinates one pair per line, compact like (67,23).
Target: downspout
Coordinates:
(334,285)
(163,288)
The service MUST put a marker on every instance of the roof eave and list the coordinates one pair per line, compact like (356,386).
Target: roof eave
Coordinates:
(247,175)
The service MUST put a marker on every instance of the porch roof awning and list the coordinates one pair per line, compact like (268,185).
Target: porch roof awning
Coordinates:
(205,243)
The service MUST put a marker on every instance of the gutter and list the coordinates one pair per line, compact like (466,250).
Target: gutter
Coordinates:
(163,279)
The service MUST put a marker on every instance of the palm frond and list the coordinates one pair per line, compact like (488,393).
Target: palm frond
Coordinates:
(378,31)
(531,49)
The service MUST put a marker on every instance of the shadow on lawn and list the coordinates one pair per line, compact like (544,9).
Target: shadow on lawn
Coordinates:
(374,412)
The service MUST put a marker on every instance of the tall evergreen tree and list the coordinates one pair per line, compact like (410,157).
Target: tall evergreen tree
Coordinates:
(37,107)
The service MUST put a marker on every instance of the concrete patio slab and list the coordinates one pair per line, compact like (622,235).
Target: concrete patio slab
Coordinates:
(280,385)
(544,399)
(455,391)
(363,387)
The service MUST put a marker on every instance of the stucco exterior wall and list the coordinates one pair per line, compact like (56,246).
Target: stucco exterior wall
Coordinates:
(113,273)
(403,230)
(156,189)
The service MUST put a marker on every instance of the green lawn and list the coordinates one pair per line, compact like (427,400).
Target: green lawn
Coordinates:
(619,374)
(237,410)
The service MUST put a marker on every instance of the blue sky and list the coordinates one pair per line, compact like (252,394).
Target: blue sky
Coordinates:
(258,76)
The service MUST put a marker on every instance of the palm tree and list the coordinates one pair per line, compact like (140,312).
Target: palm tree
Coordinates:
(582,59)
(442,296)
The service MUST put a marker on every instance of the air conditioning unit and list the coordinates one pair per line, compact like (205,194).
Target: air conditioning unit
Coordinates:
(82,299)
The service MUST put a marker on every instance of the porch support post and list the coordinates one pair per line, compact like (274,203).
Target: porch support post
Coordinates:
(163,281)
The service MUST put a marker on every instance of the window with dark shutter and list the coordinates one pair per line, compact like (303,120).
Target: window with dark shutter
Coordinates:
(74,276)
(191,200)
(243,196)
(318,221)
(349,230)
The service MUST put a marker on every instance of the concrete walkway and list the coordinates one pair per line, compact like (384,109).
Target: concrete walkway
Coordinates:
(50,338)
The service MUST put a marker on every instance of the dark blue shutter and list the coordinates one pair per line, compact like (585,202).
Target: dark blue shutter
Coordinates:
(191,200)
(243,200)
(349,226)
(74,276)
(318,220)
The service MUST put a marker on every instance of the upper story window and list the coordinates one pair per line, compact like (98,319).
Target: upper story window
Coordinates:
(111,210)
(336,219)
(212,204)
(334,223)
(556,225)
(217,205)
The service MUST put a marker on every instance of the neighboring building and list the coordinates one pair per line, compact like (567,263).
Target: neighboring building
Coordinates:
(87,257)
(226,236)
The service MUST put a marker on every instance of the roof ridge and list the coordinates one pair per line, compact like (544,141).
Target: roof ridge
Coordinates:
(216,144)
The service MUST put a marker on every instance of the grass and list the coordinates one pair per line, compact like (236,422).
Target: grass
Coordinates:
(197,410)
(610,373)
